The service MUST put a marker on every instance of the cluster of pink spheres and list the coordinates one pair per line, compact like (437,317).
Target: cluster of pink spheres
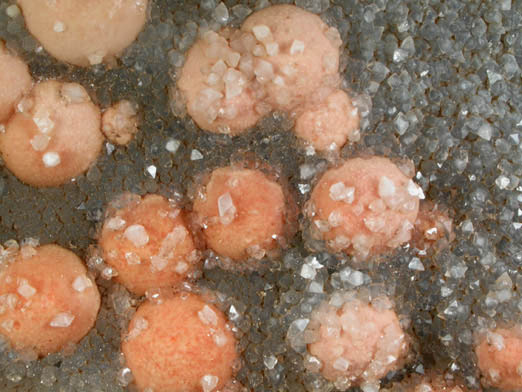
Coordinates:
(281,59)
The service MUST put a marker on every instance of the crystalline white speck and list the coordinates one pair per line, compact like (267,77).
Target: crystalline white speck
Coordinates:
(12,11)
(219,338)
(195,155)
(226,208)
(485,131)
(158,263)
(125,377)
(115,223)
(172,145)
(62,320)
(51,159)
(81,283)
(502,182)
(140,324)
(137,235)
(415,190)
(152,171)
(233,314)
(25,289)
(208,316)
(209,382)
(457,271)
(297,47)
(370,387)
(335,218)
(415,264)
(181,267)
(264,71)
(308,272)
(386,187)
(272,48)
(40,142)
(341,364)
(74,93)
(496,340)
(340,192)
(270,361)
(59,27)
(261,32)
(467,226)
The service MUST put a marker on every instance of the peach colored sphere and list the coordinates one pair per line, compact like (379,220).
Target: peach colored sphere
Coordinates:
(148,243)
(15,81)
(182,344)
(364,207)
(359,341)
(54,136)
(242,213)
(47,301)
(499,356)
(84,32)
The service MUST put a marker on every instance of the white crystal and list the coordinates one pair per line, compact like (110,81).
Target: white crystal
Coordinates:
(209,382)
(226,208)
(152,171)
(264,71)
(485,131)
(40,142)
(208,316)
(12,11)
(340,192)
(25,289)
(416,265)
(140,324)
(219,338)
(81,283)
(137,235)
(59,27)
(62,320)
(115,223)
(261,32)
(297,47)
(158,263)
(335,218)
(496,340)
(341,364)
(51,159)
(181,267)
(272,48)
(386,187)
(74,93)
(502,182)
(415,190)
(195,155)
(172,145)
(43,122)
(308,272)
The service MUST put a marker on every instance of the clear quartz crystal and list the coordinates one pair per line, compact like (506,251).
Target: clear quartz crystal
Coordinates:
(209,382)
(51,159)
(81,283)
(208,316)
(62,320)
